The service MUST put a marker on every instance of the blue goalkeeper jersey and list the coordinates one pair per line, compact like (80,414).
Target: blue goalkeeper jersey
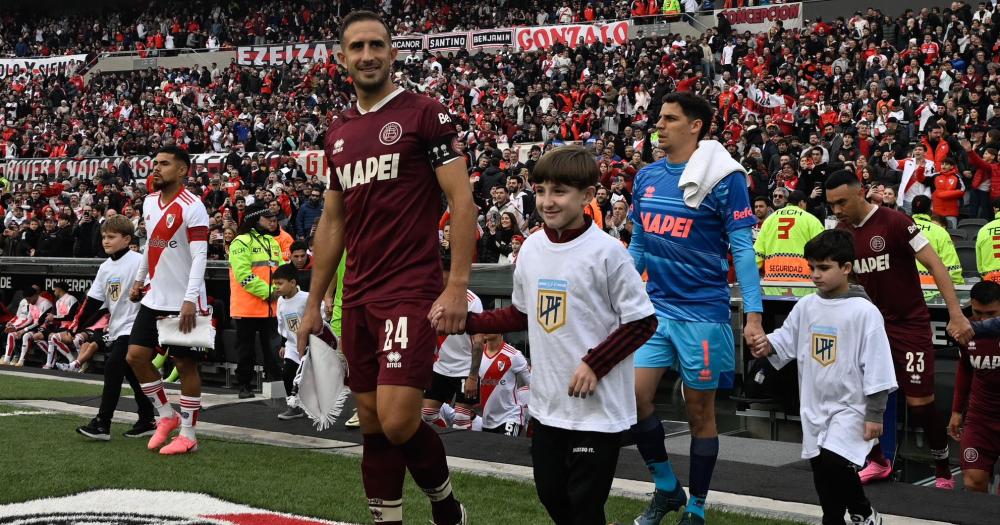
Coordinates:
(684,249)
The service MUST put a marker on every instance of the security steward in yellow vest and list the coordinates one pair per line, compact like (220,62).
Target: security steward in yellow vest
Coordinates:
(988,247)
(253,256)
(940,240)
(782,240)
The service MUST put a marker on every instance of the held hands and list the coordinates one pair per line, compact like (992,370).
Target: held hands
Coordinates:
(872,430)
(960,329)
(448,312)
(760,347)
(583,382)
(816,192)
(955,426)
(135,294)
(753,332)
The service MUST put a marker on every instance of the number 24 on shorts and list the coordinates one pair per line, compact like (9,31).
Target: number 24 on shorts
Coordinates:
(400,337)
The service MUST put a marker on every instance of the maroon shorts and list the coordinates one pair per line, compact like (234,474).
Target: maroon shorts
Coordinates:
(980,442)
(913,357)
(389,344)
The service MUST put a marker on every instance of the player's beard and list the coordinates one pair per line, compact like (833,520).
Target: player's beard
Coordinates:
(375,85)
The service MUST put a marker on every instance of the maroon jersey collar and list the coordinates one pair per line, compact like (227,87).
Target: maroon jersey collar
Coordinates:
(867,217)
(568,235)
(381,103)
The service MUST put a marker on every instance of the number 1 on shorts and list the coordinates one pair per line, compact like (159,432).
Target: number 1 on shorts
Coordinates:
(400,337)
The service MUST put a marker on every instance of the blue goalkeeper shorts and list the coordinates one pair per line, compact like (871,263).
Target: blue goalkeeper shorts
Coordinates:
(703,353)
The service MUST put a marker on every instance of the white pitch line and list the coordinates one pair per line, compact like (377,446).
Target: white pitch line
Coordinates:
(738,503)
(25,413)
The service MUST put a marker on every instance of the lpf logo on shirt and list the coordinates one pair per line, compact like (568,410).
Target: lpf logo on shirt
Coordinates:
(114,289)
(824,345)
(551,304)
(292,321)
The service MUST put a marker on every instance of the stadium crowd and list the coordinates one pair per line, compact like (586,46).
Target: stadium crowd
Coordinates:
(169,24)
(856,88)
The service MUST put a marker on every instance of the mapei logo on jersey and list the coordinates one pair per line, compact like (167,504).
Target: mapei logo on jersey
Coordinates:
(142,507)
(877,243)
(872,264)
(663,224)
(824,345)
(394,360)
(551,304)
(113,291)
(984,362)
(337,147)
(390,133)
(382,167)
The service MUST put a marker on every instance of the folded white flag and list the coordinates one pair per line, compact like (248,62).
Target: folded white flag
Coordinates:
(202,336)
(322,381)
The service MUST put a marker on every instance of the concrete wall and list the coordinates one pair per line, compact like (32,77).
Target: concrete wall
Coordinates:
(134,62)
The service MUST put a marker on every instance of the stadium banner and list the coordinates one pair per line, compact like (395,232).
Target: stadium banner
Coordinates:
(761,19)
(492,39)
(570,35)
(447,42)
(312,162)
(408,45)
(286,54)
(12,67)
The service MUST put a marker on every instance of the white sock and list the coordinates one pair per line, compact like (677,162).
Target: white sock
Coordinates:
(463,418)
(51,351)
(154,392)
(55,342)
(190,406)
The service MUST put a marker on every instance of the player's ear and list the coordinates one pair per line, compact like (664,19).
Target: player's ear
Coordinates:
(341,57)
(847,267)
(392,53)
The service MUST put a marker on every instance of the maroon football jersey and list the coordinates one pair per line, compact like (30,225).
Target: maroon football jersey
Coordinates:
(383,160)
(981,360)
(886,265)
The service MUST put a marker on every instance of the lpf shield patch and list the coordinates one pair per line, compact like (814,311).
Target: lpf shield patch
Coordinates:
(114,290)
(551,304)
(292,321)
(824,345)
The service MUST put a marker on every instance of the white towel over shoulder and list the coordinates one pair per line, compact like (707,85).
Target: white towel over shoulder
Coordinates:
(710,164)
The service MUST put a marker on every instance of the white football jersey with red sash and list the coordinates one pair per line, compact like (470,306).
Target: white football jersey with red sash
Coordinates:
(498,387)
(455,351)
(172,228)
